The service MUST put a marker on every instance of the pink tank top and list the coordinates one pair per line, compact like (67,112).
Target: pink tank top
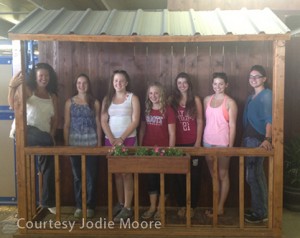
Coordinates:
(216,131)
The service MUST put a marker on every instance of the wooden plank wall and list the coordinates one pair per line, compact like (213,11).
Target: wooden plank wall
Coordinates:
(292,87)
(161,62)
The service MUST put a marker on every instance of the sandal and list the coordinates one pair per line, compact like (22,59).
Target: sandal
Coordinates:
(182,212)
(210,213)
(148,214)
(157,216)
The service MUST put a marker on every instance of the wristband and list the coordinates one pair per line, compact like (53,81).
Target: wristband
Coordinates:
(268,139)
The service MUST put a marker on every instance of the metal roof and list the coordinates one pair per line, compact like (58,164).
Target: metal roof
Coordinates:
(149,26)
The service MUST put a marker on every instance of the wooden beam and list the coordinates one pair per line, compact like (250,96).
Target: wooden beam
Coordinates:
(20,117)
(150,39)
(277,128)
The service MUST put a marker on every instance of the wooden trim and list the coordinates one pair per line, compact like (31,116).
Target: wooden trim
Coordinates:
(277,129)
(104,150)
(148,39)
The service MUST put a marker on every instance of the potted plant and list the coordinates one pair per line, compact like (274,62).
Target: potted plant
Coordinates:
(292,174)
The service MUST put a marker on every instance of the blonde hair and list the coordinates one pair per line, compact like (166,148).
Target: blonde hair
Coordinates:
(162,99)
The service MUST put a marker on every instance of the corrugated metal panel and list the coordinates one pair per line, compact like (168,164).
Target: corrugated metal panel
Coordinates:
(152,23)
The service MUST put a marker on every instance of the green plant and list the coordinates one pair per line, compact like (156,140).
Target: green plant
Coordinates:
(292,162)
(119,150)
(157,151)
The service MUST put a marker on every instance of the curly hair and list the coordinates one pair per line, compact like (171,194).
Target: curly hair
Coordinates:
(176,97)
(162,100)
(111,90)
(52,84)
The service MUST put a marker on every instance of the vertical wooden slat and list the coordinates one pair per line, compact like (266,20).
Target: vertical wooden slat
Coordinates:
(188,199)
(162,200)
(110,196)
(28,186)
(270,191)
(33,184)
(57,188)
(241,190)
(277,129)
(83,185)
(40,184)
(136,196)
(215,191)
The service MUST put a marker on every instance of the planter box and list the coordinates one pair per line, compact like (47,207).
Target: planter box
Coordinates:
(149,164)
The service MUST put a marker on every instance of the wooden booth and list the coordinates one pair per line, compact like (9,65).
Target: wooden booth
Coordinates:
(153,45)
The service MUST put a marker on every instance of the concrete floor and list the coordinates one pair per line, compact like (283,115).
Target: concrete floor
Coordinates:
(8,214)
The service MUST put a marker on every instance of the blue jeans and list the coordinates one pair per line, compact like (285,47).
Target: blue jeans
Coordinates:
(91,179)
(255,177)
(36,137)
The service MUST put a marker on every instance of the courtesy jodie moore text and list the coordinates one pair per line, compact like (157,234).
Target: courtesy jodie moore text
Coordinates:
(101,223)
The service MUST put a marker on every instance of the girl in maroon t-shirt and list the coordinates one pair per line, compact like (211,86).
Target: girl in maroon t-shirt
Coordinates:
(189,128)
(157,129)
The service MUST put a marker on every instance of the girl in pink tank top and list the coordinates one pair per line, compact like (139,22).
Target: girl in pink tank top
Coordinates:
(220,129)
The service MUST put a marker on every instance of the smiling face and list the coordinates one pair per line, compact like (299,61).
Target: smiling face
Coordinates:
(256,80)
(42,78)
(119,82)
(154,95)
(182,85)
(219,85)
(82,84)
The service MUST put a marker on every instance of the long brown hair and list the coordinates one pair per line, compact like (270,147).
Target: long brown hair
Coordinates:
(89,94)
(190,106)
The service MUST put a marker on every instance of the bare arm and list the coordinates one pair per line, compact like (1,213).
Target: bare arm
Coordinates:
(232,121)
(13,89)
(142,132)
(104,123)
(67,121)
(98,123)
(54,119)
(199,121)
(172,134)
(205,101)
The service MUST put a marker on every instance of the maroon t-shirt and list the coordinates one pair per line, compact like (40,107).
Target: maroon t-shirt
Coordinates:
(186,127)
(156,131)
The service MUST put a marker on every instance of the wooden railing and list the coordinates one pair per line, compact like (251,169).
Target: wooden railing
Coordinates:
(29,210)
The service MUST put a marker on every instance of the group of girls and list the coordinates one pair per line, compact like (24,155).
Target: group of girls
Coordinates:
(167,122)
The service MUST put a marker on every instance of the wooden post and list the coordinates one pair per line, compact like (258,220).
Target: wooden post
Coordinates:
(277,129)
(20,116)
